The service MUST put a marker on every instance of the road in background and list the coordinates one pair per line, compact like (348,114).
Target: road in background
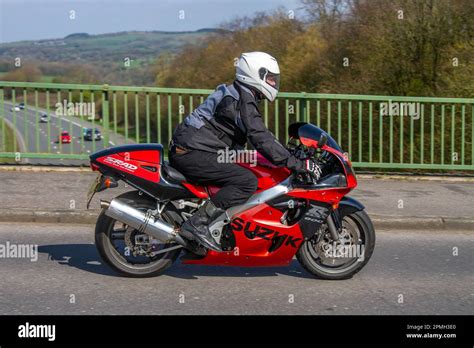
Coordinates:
(385,197)
(46,139)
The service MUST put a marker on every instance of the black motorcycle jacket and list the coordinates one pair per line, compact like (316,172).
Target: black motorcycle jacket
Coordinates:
(227,119)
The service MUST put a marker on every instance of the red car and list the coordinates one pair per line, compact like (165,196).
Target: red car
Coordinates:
(65,138)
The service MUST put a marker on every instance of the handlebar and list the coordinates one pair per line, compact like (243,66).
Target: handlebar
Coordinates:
(323,158)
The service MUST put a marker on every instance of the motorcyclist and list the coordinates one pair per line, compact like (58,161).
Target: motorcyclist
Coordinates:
(228,118)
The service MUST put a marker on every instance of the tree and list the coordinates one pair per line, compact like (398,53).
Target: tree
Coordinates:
(27,73)
(207,65)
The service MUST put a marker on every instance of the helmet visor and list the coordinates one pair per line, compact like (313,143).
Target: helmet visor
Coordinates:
(273,80)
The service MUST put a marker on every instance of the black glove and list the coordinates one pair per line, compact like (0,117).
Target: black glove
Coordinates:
(312,168)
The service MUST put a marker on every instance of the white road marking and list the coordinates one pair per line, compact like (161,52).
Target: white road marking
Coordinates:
(31,115)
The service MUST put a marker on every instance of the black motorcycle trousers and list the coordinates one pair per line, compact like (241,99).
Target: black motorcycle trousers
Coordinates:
(203,168)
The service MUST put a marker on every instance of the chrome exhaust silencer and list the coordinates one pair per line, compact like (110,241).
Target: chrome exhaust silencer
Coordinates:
(142,221)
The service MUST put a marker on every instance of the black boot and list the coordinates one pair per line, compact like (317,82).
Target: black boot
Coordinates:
(197,226)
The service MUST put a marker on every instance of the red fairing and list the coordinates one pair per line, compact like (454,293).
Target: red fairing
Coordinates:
(198,191)
(350,177)
(330,195)
(150,156)
(268,175)
(265,222)
(133,162)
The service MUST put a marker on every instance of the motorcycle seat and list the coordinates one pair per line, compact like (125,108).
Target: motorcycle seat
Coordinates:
(171,174)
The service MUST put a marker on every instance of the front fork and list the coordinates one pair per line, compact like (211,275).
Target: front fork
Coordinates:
(334,224)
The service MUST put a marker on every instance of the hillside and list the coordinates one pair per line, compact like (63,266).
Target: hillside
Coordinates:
(84,48)
(106,52)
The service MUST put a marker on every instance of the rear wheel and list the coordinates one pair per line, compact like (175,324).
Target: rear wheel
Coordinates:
(341,260)
(130,252)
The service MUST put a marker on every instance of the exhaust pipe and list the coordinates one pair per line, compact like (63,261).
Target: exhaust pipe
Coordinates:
(142,221)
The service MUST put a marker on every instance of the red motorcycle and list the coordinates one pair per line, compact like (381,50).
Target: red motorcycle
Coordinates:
(138,232)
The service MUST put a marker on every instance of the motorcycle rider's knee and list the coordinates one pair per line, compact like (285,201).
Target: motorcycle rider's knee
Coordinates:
(250,182)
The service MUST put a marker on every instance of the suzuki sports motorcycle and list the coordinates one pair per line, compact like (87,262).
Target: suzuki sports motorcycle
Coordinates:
(138,232)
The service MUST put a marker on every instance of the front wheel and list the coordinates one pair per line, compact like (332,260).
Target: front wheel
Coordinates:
(342,259)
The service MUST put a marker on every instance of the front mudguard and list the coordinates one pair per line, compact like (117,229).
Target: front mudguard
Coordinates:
(349,205)
(318,212)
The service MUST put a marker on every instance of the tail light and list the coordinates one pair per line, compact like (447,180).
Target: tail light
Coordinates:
(107,182)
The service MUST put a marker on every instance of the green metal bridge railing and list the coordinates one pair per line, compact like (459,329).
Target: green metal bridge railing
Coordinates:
(391,132)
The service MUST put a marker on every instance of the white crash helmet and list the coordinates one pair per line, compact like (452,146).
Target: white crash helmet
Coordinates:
(260,71)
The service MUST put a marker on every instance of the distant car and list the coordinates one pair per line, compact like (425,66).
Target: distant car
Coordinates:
(44,118)
(64,137)
(88,134)
(21,106)
(15,108)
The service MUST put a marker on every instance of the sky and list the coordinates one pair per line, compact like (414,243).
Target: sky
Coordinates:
(48,19)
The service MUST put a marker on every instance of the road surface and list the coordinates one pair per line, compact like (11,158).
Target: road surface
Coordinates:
(413,272)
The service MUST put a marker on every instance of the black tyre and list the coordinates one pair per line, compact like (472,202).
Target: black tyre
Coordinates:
(112,238)
(347,257)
